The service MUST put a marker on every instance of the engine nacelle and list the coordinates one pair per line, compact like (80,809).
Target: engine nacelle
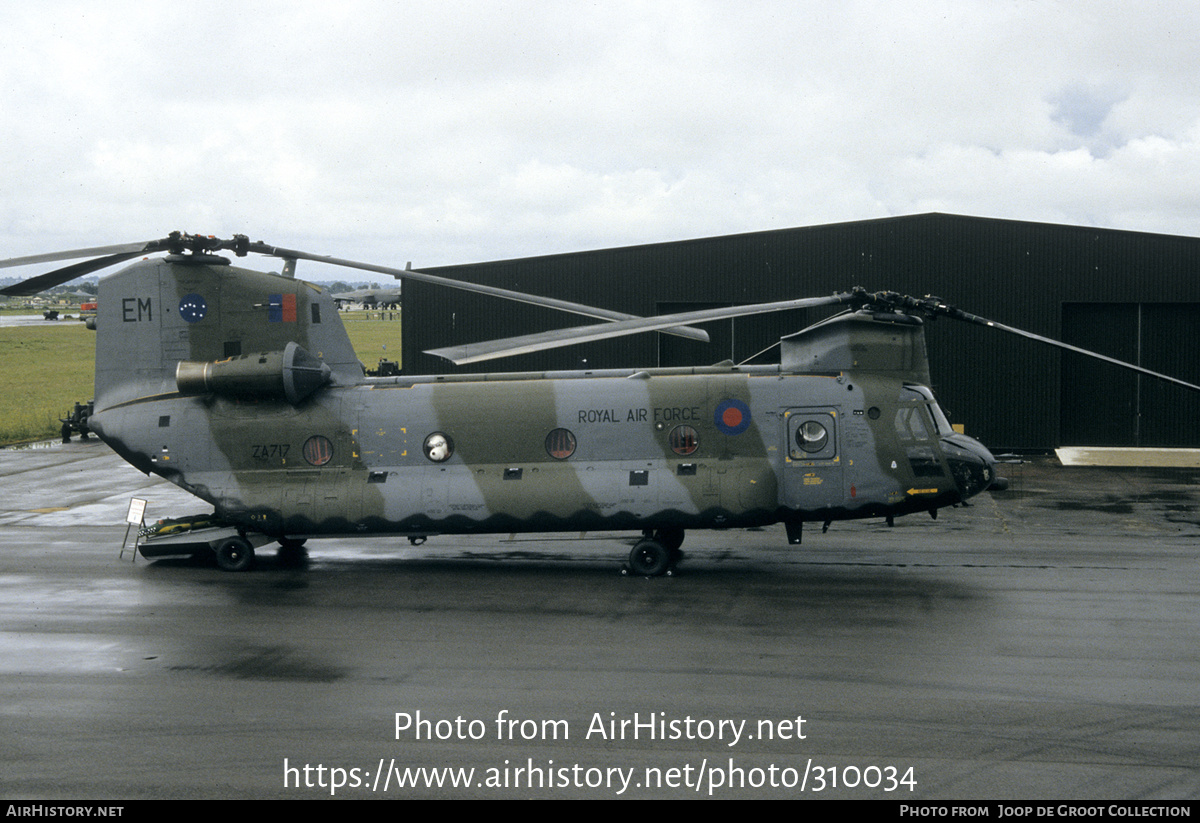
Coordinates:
(292,374)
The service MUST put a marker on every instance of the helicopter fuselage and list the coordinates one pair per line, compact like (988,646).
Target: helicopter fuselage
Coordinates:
(697,448)
(242,388)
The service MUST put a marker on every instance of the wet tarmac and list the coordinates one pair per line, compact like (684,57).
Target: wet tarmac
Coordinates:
(1039,644)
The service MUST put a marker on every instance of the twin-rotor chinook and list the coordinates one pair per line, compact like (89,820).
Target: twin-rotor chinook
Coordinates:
(242,388)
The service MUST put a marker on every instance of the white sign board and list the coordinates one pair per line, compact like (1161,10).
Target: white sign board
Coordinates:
(137,511)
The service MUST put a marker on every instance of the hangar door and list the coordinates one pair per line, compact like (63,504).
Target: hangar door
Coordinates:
(1103,405)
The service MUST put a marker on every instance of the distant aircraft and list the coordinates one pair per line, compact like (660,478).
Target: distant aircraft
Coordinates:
(75,296)
(371,298)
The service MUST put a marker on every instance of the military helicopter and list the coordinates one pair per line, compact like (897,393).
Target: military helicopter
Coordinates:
(242,388)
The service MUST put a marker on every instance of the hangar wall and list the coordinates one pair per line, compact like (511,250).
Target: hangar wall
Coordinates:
(1008,392)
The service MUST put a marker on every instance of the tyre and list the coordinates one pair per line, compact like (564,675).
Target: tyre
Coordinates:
(235,554)
(649,558)
(671,537)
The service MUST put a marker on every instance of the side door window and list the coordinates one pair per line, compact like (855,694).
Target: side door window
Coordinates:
(812,435)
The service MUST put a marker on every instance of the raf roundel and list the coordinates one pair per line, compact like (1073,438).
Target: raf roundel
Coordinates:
(732,416)
(192,308)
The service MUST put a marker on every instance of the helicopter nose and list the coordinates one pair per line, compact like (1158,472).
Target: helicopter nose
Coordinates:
(971,464)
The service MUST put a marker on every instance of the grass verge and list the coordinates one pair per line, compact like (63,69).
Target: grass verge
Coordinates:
(45,370)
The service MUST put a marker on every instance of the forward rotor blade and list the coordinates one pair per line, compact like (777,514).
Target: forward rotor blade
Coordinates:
(525,344)
(506,294)
(980,321)
(934,307)
(59,276)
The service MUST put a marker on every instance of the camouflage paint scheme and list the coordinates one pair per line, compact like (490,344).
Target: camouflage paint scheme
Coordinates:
(251,446)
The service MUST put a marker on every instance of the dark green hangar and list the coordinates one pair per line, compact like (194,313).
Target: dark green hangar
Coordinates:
(1130,295)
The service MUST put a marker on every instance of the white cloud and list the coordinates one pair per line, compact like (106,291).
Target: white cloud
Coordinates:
(454,132)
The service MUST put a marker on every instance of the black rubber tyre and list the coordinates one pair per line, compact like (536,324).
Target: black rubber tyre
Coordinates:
(671,537)
(235,554)
(649,558)
(291,552)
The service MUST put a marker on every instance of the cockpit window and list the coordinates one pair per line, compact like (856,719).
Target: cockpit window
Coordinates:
(940,424)
(911,393)
(907,421)
(910,424)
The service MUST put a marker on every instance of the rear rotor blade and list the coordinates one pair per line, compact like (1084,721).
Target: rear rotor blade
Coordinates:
(112,255)
(59,276)
(526,344)
(121,248)
(494,291)
(239,244)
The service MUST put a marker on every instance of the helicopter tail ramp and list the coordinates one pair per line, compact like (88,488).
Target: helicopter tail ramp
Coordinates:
(255,334)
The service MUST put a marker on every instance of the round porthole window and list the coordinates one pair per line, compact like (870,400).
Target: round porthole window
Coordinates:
(318,450)
(684,440)
(811,436)
(560,444)
(438,447)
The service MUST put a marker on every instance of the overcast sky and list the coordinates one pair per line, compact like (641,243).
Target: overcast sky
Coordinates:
(454,132)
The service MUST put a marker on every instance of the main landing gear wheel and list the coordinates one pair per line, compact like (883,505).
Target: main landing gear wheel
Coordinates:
(291,551)
(671,537)
(650,558)
(235,554)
